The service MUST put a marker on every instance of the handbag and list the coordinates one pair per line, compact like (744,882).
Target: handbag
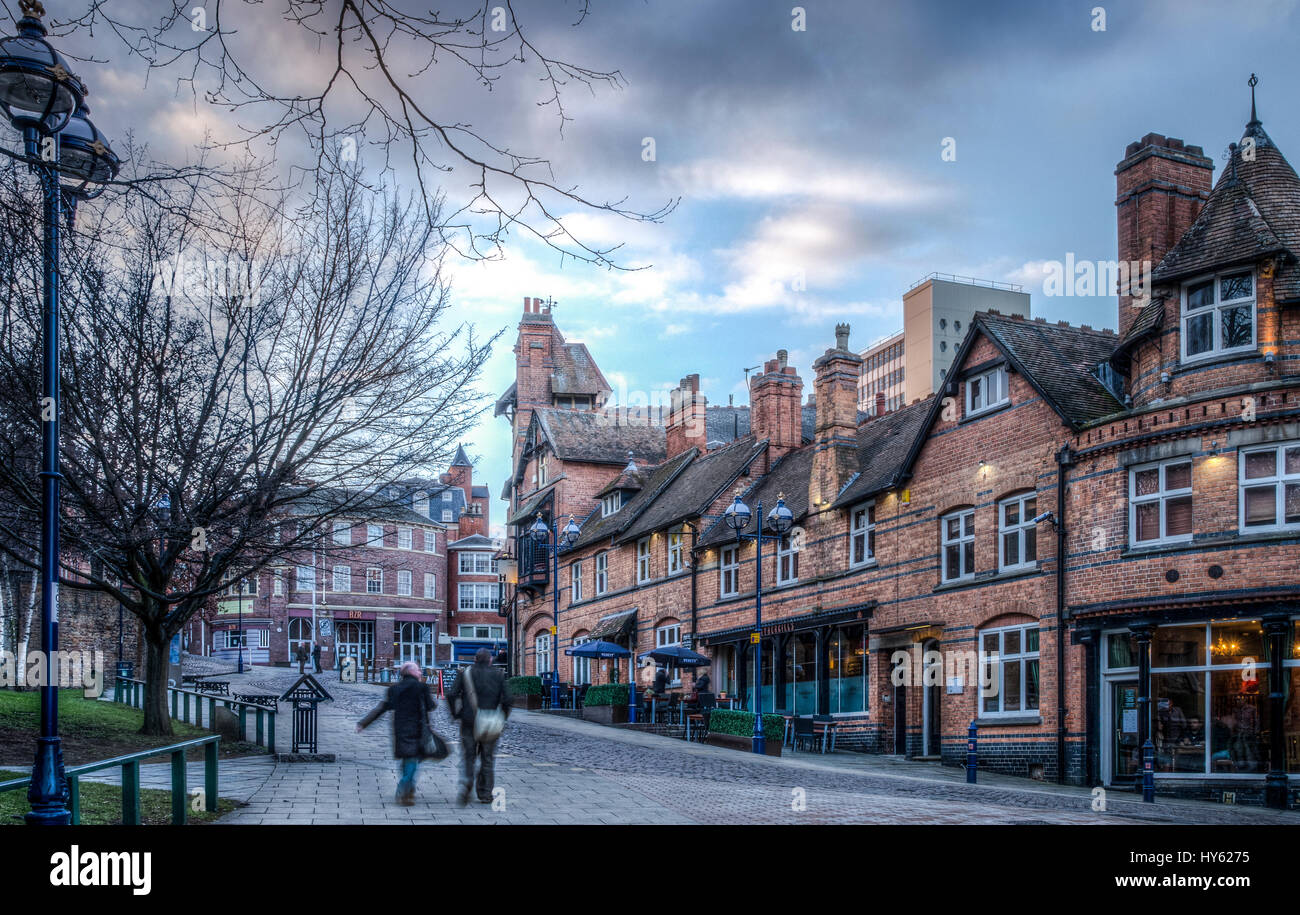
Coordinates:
(432,746)
(488,723)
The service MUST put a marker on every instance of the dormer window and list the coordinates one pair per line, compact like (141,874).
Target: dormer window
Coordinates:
(611,503)
(987,391)
(1219,315)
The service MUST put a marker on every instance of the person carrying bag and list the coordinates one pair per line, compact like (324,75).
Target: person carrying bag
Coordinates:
(480,700)
(414,738)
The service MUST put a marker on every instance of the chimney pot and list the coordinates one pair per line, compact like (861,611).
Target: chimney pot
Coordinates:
(782,357)
(841,336)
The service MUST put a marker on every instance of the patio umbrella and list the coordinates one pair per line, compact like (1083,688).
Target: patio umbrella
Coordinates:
(600,649)
(676,654)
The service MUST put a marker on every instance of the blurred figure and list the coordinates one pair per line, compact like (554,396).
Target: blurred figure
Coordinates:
(703,682)
(315,655)
(480,688)
(661,681)
(410,702)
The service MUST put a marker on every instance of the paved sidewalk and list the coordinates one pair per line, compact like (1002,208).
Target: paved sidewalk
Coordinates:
(555,770)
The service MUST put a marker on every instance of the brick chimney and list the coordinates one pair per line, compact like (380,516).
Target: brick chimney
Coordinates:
(835,436)
(1160,186)
(880,403)
(775,397)
(534,363)
(686,415)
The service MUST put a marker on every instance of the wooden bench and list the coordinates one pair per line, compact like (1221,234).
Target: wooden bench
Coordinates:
(221,687)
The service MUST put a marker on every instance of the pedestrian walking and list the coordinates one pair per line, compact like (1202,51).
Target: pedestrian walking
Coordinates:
(414,739)
(315,655)
(480,700)
(702,683)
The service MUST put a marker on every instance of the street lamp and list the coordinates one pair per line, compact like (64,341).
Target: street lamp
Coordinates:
(542,537)
(41,99)
(737,517)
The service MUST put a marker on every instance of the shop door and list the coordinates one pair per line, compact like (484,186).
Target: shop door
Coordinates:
(356,640)
(1125,752)
(900,720)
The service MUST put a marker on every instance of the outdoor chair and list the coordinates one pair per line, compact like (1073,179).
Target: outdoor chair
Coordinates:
(825,726)
(699,716)
(582,695)
(804,733)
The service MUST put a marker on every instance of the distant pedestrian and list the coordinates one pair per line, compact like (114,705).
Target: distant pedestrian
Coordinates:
(702,683)
(414,739)
(315,655)
(480,700)
(661,681)
(302,658)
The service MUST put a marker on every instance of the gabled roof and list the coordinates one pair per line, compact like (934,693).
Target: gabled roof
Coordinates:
(598,527)
(532,504)
(789,476)
(1253,212)
(1149,320)
(883,446)
(601,436)
(576,372)
(692,491)
(1058,360)
(460,460)
(507,400)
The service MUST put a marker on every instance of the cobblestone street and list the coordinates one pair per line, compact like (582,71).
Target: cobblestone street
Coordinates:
(562,771)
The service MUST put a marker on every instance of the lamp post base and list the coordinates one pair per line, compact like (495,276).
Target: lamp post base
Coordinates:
(1275,790)
(48,793)
(760,744)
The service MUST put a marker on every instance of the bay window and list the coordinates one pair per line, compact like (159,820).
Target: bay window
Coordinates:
(1218,315)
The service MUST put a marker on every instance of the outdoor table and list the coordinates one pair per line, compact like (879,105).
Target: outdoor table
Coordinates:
(726,701)
(215,686)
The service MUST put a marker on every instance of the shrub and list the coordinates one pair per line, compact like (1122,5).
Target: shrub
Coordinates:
(606,694)
(524,686)
(741,724)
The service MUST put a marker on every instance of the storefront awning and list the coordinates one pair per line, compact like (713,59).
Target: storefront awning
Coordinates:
(811,620)
(615,626)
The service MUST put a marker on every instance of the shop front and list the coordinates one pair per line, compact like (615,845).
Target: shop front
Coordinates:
(812,664)
(1216,696)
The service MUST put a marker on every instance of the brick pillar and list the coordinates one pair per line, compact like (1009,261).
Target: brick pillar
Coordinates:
(835,437)
(685,428)
(776,401)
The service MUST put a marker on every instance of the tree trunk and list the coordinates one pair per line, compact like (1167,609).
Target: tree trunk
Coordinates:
(25,626)
(157,717)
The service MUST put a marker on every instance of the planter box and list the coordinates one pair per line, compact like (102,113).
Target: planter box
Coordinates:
(605,714)
(745,744)
(528,702)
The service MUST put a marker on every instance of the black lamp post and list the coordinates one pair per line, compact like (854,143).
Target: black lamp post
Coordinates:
(737,516)
(45,102)
(542,536)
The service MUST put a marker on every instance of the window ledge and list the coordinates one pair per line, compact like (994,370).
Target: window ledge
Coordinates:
(1009,575)
(980,414)
(1210,542)
(1009,721)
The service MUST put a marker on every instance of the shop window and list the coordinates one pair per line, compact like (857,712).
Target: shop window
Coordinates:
(1009,659)
(1160,503)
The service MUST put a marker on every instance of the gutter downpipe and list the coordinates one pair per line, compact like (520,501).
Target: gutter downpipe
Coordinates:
(1064,460)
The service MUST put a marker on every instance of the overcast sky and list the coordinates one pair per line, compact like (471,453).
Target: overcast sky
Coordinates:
(809,163)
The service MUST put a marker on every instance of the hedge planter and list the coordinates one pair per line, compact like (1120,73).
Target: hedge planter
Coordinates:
(528,702)
(605,714)
(744,744)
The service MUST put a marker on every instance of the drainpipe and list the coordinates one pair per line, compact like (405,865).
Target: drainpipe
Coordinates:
(695,561)
(1064,460)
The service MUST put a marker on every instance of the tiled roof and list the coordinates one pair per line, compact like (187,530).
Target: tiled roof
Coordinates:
(472,542)
(479,492)
(691,492)
(1059,360)
(390,506)
(1253,211)
(507,400)
(460,460)
(597,527)
(602,436)
(883,444)
(613,627)
(631,479)
(530,506)
(1148,321)
(576,372)
(790,476)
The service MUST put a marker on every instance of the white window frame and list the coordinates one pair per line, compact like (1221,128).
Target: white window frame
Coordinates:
(305,578)
(421,506)
(374,580)
(575,582)
(1161,495)
(430,542)
(1017,530)
(643,560)
(476,563)
(581,666)
(997,374)
(1216,309)
(477,596)
(342,533)
(446,495)
(728,571)
(496,633)
(602,572)
(542,649)
(676,563)
(960,541)
(611,503)
(277,582)
(787,560)
(448,515)
(403,538)
(374,535)
(999,659)
(344,574)
(1279,480)
(430,585)
(403,582)
(862,531)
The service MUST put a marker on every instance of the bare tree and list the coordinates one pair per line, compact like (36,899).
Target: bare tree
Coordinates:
(386,66)
(231,360)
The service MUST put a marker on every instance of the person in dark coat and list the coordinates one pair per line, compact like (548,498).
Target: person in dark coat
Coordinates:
(410,702)
(661,681)
(702,683)
(490,692)
(315,655)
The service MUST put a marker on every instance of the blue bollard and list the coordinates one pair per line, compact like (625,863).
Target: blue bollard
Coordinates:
(972,758)
(1148,772)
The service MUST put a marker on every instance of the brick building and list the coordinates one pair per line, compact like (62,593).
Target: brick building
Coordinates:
(1083,541)
(377,590)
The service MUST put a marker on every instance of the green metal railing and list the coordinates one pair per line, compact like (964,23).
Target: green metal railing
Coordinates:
(131,780)
(131,692)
